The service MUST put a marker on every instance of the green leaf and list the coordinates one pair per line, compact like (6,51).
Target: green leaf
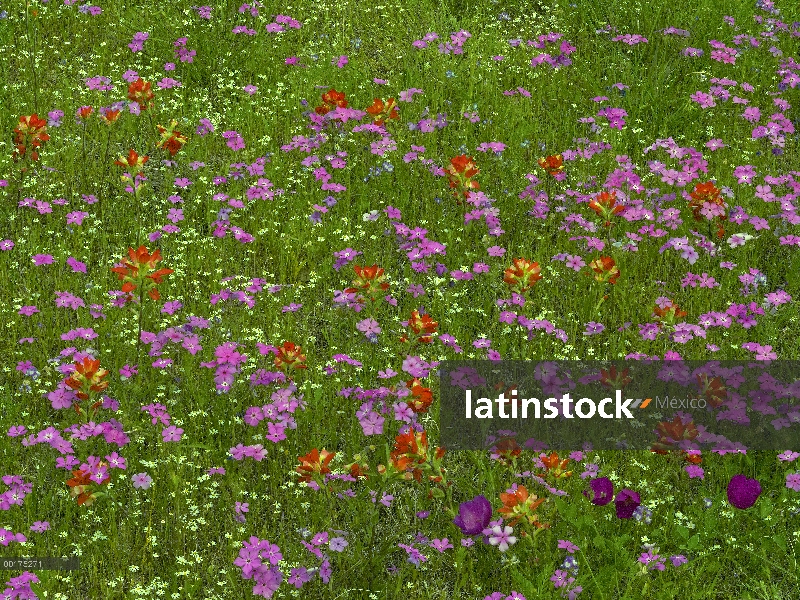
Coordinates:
(525,586)
(599,542)
(682,531)
(710,523)
(694,541)
(569,511)
(437,492)
(780,541)
(203,446)
(765,508)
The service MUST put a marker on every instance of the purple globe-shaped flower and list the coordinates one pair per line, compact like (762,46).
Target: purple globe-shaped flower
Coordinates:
(473,516)
(743,492)
(601,492)
(626,503)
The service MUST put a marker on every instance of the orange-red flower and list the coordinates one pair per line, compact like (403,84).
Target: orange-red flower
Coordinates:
(605,205)
(84,112)
(314,463)
(704,192)
(420,399)
(410,453)
(555,467)
(676,430)
(138,270)
(708,193)
(506,450)
(109,117)
(331,100)
(668,314)
(693,458)
(139,92)
(31,130)
(520,505)
(171,139)
(81,486)
(358,470)
(87,378)
(460,172)
(422,326)
(381,110)
(552,164)
(290,357)
(614,379)
(522,275)
(370,280)
(606,269)
(133,161)
(713,390)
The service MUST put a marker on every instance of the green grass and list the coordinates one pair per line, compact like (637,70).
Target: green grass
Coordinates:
(179,538)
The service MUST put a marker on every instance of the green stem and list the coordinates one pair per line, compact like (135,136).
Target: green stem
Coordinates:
(83,143)
(33,58)
(139,328)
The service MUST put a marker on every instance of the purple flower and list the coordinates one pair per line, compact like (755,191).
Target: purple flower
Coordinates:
(142,480)
(473,516)
(602,491)
(626,502)
(743,492)
(40,526)
(793,481)
(338,544)
(568,546)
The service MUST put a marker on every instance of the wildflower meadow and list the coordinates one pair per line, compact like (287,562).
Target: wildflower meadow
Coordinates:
(238,242)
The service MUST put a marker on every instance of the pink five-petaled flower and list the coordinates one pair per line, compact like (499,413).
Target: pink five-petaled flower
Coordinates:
(141,481)
(501,537)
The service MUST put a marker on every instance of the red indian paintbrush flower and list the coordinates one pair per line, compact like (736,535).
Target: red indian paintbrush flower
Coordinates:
(422,326)
(606,269)
(669,314)
(370,280)
(555,467)
(707,201)
(506,451)
(290,357)
(139,92)
(31,130)
(381,110)
(133,161)
(331,100)
(81,486)
(109,117)
(421,397)
(522,275)
(314,463)
(87,378)
(552,164)
(84,112)
(670,432)
(605,205)
(460,172)
(520,505)
(712,389)
(615,379)
(139,270)
(171,139)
